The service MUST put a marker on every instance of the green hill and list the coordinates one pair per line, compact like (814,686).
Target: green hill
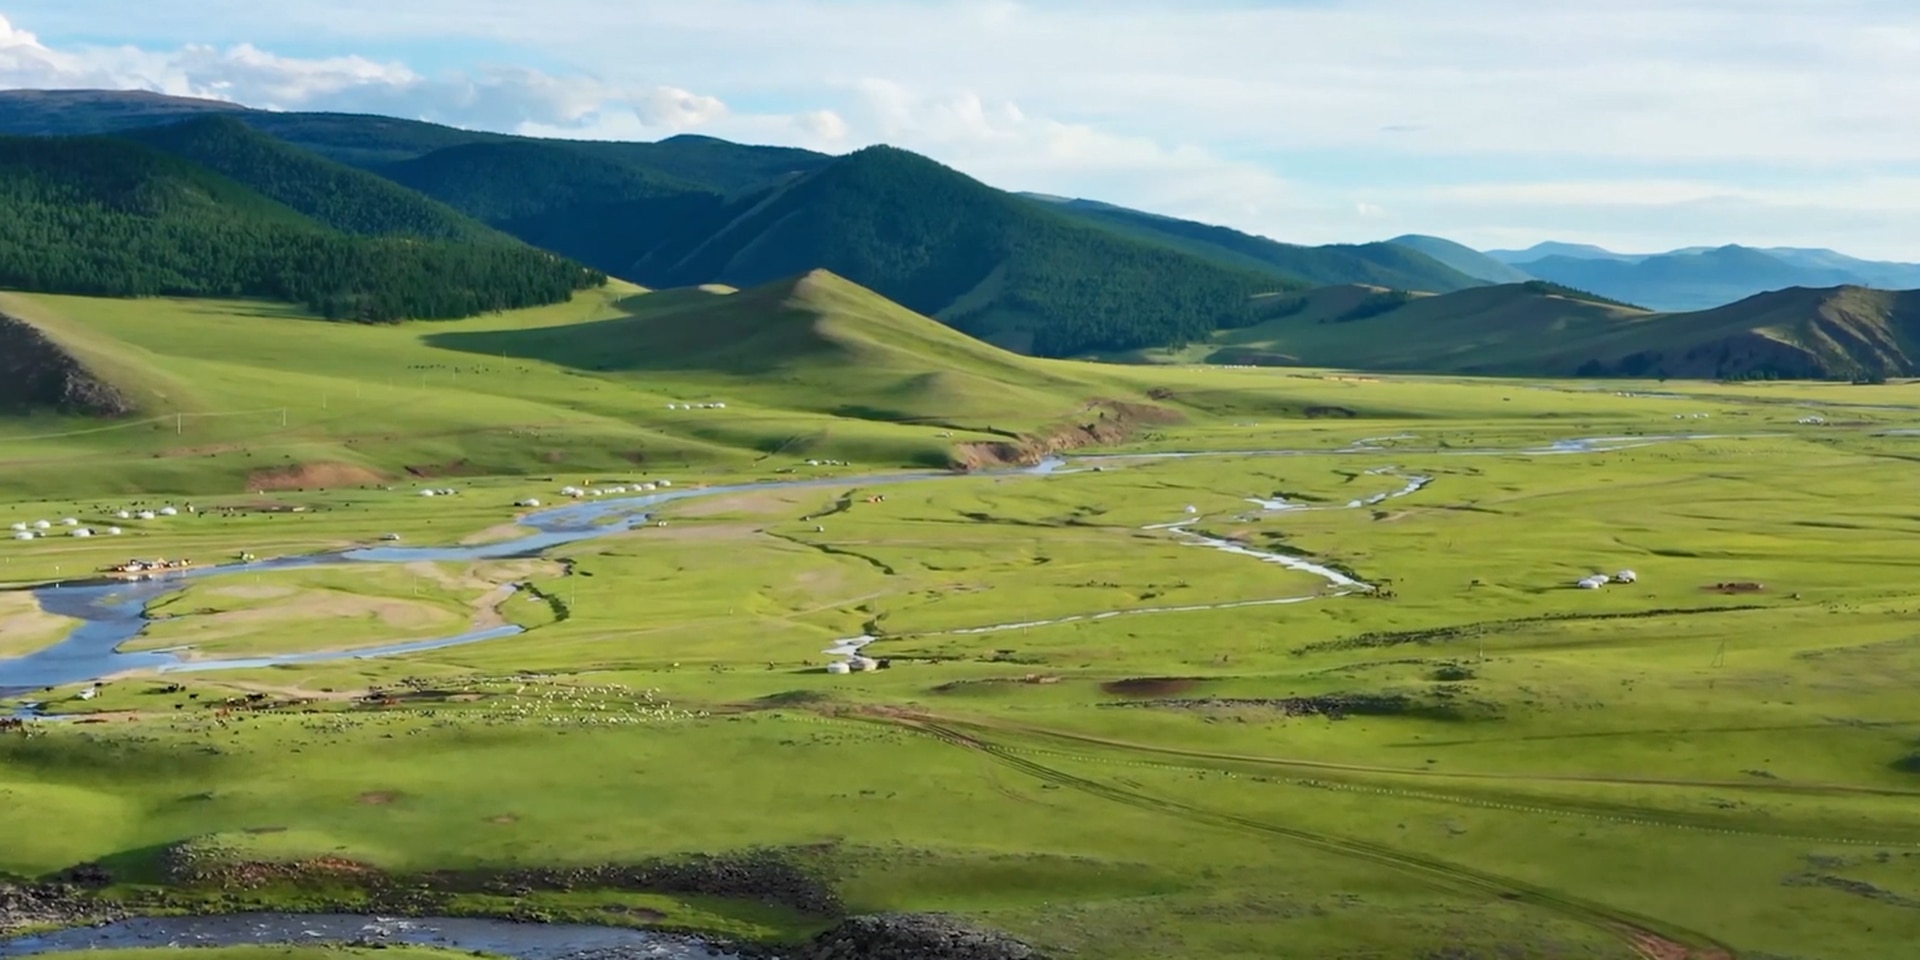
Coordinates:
(814,342)
(107,216)
(1378,264)
(1463,258)
(1540,329)
(995,265)
(332,194)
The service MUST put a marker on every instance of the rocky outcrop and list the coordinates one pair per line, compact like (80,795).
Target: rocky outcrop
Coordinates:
(913,937)
(48,905)
(38,374)
(1101,423)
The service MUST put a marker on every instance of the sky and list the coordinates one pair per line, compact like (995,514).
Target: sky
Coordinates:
(1640,125)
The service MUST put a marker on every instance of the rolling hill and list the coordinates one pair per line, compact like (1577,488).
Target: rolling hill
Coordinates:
(1003,268)
(1536,329)
(814,342)
(38,373)
(1463,258)
(107,216)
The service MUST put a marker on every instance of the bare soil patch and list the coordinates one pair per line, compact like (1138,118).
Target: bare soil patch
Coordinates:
(494,534)
(504,819)
(1099,423)
(1734,587)
(378,798)
(307,476)
(1150,686)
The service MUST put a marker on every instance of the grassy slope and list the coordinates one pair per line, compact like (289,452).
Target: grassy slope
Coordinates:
(1463,830)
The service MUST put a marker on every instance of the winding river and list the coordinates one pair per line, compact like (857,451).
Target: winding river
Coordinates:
(112,612)
(522,941)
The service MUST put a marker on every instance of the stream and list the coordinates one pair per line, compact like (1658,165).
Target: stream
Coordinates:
(112,612)
(522,941)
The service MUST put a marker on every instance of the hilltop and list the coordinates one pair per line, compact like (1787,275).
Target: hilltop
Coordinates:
(814,342)
(1463,258)
(331,194)
(108,216)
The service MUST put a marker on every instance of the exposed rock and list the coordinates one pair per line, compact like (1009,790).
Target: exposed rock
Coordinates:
(914,936)
(36,373)
(49,905)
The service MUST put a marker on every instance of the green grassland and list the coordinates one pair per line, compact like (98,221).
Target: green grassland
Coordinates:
(1477,756)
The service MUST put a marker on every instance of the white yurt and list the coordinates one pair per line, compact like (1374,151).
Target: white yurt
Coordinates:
(114,531)
(69,522)
(838,667)
(82,532)
(19,527)
(42,525)
(23,535)
(1625,576)
(169,512)
(1591,583)
(666,483)
(146,514)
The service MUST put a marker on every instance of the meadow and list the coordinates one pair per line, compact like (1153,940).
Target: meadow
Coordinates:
(1097,729)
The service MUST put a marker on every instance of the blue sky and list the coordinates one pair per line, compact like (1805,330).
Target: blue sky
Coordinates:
(1637,124)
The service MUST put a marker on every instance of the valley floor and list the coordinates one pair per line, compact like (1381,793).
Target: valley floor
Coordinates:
(1255,683)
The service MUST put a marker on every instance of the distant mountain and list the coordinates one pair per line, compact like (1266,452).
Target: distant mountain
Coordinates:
(335,195)
(1381,264)
(1688,281)
(1463,258)
(1575,251)
(109,216)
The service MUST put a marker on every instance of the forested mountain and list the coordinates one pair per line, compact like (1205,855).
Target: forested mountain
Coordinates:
(507,181)
(338,196)
(1001,267)
(1378,264)
(108,216)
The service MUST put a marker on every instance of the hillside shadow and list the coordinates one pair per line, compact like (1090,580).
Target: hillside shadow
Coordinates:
(668,330)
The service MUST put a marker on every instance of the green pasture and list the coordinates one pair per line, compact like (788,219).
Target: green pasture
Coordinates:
(1095,730)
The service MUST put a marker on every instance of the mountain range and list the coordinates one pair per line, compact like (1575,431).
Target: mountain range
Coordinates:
(380,219)
(1695,278)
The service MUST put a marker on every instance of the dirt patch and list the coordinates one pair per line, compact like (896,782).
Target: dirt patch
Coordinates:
(1734,587)
(1329,412)
(914,937)
(377,798)
(1333,706)
(1150,686)
(1100,423)
(310,476)
(504,819)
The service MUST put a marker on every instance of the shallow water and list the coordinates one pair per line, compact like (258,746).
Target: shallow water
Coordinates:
(112,612)
(524,941)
